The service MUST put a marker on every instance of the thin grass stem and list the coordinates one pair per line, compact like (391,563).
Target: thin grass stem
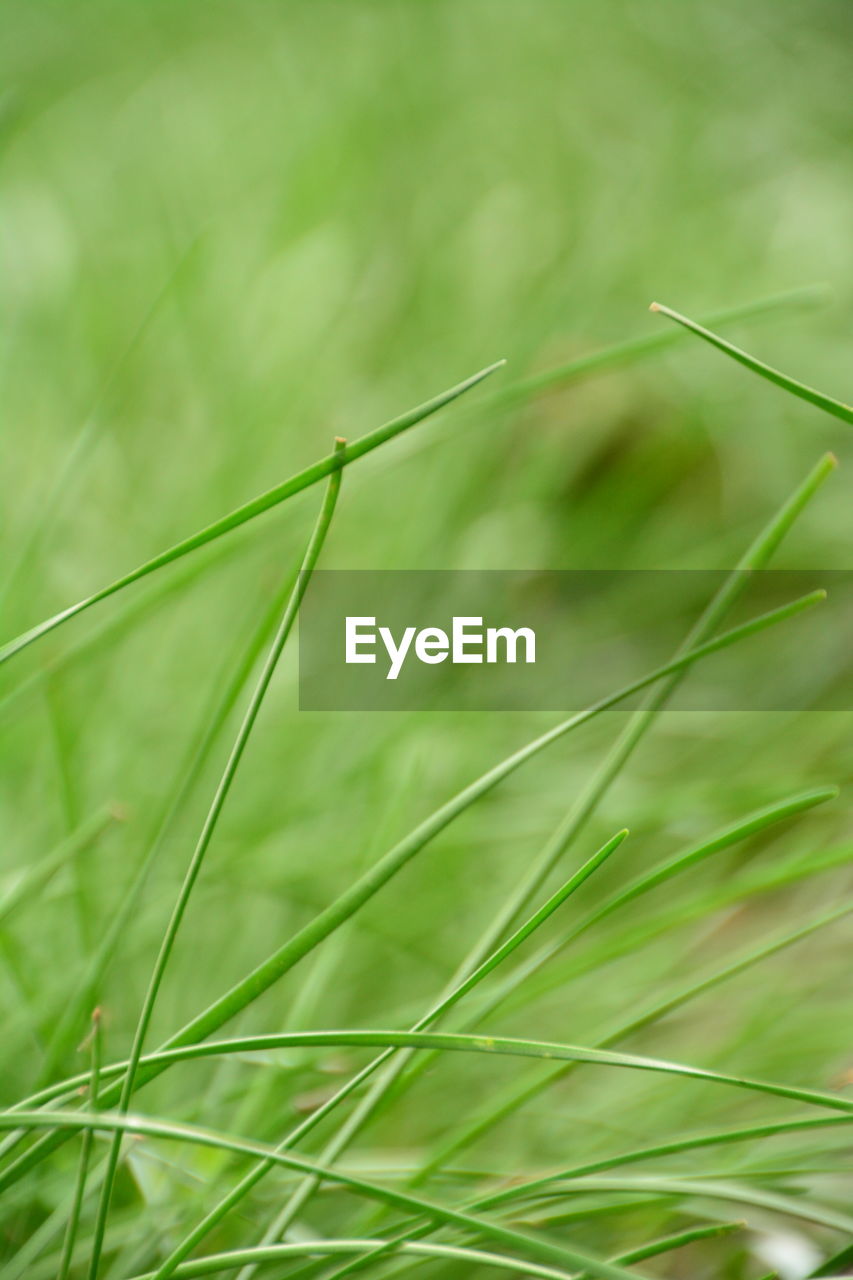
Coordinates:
(327,466)
(85,1151)
(312,553)
(766,371)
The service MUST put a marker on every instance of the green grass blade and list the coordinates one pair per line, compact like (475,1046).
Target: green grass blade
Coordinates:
(678,1240)
(695,1142)
(817,398)
(789,1206)
(229,687)
(216,1263)
(660,1008)
(632,349)
(537,1247)
(85,1153)
(257,506)
(233,1198)
(755,822)
(445,1041)
(516,1096)
(291,611)
(742,888)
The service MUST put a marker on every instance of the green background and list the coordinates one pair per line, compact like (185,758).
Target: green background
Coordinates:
(233,231)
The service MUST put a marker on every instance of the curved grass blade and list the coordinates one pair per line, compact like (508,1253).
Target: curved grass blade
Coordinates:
(537,1247)
(632,349)
(233,1198)
(651,1250)
(790,1206)
(817,398)
(516,1096)
(229,687)
(327,466)
(742,888)
(217,1014)
(751,825)
(446,1041)
(214,1263)
(677,1241)
(696,1142)
(85,1152)
(312,554)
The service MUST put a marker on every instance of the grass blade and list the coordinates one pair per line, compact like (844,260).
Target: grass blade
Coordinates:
(696,1142)
(678,1241)
(327,466)
(516,1096)
(312,553)
(817,398)
(536,1247)
(251,1180)
(85,1152)
(445,1041)
(790,1206)
(632,349)
(215,1263)
(229,687)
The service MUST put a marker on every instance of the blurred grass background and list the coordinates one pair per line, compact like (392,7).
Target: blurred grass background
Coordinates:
(230,232)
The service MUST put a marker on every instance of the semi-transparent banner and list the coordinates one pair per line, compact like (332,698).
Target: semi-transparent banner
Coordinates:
(561,640)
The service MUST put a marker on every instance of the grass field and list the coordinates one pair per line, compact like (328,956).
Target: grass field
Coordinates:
(231,233)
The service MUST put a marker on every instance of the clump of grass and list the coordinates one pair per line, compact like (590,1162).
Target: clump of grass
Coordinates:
(397,1230)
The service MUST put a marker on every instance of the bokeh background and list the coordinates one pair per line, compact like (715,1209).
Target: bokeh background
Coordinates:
(232,231)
